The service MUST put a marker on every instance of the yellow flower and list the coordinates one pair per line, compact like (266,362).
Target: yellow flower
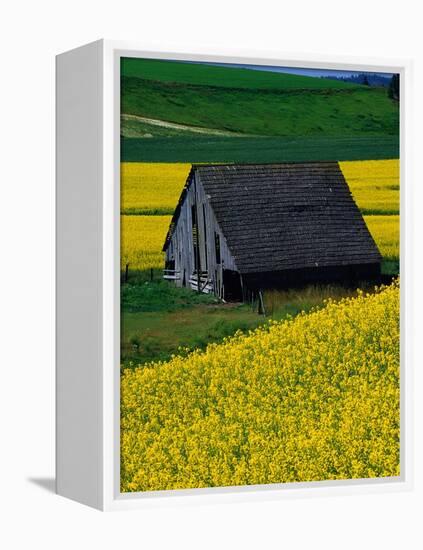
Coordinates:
(310,398)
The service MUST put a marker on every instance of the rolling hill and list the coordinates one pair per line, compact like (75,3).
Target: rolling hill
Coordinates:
(251,105)
(206,74)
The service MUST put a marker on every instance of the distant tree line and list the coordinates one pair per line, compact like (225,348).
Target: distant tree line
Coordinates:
(366,79)
(394,87)
(375,80)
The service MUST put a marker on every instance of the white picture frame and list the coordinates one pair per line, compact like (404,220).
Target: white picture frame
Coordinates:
(88,252)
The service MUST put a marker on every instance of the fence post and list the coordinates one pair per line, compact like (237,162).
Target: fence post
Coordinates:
(261,310)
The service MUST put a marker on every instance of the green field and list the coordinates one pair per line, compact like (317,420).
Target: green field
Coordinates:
(203,74)
(158,318)
(280,117)
(221,149)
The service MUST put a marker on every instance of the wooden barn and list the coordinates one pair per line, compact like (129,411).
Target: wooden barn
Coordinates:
(241,228)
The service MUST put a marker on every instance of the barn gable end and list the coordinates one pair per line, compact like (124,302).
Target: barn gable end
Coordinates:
(196,249)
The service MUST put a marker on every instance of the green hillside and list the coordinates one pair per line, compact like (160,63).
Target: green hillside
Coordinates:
(312,117)
(264,112)
(228,77)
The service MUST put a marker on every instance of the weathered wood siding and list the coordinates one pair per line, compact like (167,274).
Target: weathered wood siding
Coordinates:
(181,249)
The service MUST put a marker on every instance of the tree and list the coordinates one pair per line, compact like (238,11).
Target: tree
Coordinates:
(393,89)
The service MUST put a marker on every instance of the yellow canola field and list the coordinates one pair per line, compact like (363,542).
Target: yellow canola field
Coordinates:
(311,398)
(155,188)
(151,188)
(374,185)
(142,239)
(385,231)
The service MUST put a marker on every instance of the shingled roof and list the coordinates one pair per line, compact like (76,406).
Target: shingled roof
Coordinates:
(286,216)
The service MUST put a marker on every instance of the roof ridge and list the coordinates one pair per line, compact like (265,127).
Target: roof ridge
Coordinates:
(196,165)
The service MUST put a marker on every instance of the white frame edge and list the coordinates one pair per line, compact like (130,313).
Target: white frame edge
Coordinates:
(108,496)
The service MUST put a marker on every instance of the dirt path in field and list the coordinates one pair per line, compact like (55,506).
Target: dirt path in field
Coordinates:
(176,126)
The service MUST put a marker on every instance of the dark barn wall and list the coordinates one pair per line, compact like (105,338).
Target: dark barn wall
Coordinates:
(233,287)
(295,278)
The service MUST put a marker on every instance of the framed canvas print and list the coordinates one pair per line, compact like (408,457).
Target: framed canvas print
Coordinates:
(231,253)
